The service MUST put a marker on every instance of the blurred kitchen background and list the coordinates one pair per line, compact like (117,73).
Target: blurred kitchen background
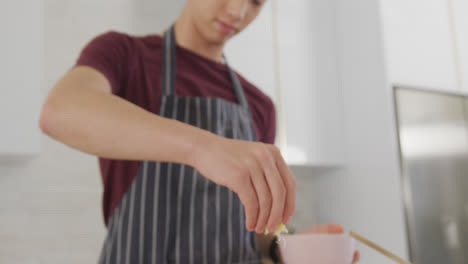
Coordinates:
(372,118)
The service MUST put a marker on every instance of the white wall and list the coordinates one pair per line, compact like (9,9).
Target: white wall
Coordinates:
(21,55)
(460,8)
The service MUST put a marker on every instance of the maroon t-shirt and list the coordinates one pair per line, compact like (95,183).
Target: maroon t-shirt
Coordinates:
(132,64)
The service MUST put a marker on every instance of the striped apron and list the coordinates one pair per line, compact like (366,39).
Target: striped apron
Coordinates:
(171,213)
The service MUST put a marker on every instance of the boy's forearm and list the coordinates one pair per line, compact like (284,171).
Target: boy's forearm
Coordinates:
(105,125)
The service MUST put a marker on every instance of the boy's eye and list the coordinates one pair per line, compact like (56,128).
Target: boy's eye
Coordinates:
(257,2)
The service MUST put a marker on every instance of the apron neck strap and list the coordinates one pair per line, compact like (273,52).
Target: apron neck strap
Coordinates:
(169,69)
(169,62)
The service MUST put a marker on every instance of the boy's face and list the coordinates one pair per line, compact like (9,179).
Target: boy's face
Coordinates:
(219,20)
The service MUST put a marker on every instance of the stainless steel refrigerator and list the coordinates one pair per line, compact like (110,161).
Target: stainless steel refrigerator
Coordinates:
(433,139)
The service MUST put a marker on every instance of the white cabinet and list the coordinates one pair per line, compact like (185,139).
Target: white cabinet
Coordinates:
(21,51)
(419,47)
(310,86)
(309,96)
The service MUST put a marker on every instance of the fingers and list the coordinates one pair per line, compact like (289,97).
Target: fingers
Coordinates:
(269,197)
(289,182)
(335,229)
(277,189)
(326,229)
(356,256)
(248,196)
(264,196)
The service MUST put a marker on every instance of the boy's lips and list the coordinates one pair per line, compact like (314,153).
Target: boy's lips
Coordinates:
(226,28)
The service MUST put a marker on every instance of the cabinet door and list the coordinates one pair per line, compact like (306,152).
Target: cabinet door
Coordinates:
(310,87)
(419,48)
(21,49)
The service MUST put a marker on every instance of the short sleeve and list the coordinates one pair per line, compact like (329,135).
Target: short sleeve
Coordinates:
(108,53)
(269,134)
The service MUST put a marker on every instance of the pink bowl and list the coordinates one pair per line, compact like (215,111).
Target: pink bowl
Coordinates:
(317,248)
